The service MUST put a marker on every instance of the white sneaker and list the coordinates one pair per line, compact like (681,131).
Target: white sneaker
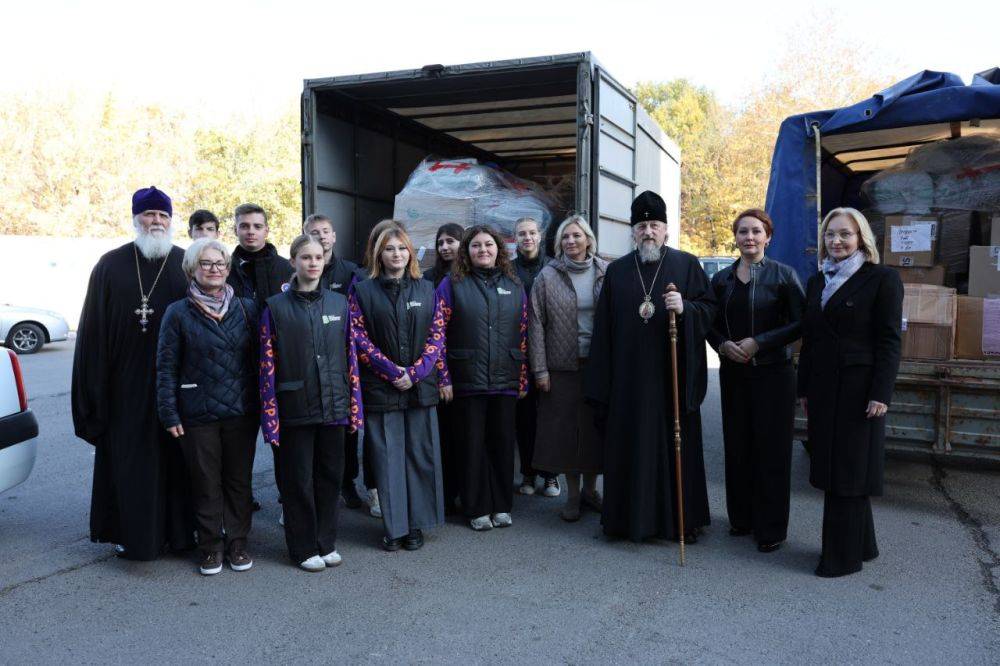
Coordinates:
(527,486)
(281,518)
(332,559)
(374,508)
(481,524)
(313,564)
(501,520)
(551,487)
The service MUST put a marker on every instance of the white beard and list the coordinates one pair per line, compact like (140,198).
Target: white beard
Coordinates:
(153,246)
(648,252)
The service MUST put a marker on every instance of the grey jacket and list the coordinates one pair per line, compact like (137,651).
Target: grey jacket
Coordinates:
(552,325)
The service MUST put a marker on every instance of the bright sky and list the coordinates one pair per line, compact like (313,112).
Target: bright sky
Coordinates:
(230,56)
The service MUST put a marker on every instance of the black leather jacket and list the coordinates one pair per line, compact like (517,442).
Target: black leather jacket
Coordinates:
(777,301)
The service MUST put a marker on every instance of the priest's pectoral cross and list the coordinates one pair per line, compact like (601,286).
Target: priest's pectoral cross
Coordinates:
(144,311)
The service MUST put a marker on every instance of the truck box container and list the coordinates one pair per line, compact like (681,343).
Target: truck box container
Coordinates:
(548,118)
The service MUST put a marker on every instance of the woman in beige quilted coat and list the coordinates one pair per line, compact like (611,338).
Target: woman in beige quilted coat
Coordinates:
(560,323)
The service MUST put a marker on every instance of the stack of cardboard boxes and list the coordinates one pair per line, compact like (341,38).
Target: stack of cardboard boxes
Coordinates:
(978,327)
(938,324)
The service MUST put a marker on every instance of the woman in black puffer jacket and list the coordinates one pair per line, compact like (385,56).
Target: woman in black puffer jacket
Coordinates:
(207,397)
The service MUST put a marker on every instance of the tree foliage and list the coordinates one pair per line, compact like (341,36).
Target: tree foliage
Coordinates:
(72,162)
(726,151)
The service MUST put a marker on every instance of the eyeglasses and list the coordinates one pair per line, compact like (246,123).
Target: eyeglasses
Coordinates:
(843,235)
(212,265)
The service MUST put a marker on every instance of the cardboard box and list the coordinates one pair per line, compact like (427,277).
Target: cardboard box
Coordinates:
(928,304)
(914,275)
(910,240)
(984,271)
(953,241)
(970,332)
(928,322)
(927,342)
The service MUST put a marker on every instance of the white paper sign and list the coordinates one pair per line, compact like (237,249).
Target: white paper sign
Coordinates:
(912,237)
(991,327)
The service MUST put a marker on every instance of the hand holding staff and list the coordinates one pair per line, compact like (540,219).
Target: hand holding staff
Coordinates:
(677,423)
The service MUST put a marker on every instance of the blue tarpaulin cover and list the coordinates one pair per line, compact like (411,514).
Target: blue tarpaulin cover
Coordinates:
(924,98)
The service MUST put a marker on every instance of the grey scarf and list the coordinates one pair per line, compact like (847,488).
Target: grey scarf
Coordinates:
(578,266)
(839,272)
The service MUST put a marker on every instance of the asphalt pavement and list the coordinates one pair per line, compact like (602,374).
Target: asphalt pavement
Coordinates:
(542,591)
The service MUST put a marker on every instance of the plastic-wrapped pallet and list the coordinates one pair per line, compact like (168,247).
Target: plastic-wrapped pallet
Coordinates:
(900,189)
(466,192)
(957,174)
(966,172)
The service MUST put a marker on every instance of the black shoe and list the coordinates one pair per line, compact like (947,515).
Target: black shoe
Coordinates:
(691,537)
(351,497)
(414,540)
(769,547)
(739,531)
(255,504)
(823,573)
(391,545)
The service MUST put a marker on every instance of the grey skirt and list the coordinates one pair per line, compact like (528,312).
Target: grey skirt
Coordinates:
(567,441)
(406,458)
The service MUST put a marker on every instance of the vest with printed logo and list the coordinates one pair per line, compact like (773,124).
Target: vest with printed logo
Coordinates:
(399,329)
(484,334)
(310,347)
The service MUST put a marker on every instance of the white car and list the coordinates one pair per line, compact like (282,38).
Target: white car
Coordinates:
(18,425)
(25,330)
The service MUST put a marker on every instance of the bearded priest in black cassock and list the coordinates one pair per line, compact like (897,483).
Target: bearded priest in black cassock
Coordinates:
(140,500)
(628,379)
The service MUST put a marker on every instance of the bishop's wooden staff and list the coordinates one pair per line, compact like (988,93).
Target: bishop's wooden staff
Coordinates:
(677,422)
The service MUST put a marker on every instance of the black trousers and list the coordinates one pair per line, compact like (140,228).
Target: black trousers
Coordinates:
(526,424)
(848,534)
(351,465)
(758,412)
(451,452)
(219,458)
(312,468)
(486,425)
(277,467)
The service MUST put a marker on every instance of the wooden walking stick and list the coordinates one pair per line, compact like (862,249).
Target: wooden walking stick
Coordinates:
(677,423)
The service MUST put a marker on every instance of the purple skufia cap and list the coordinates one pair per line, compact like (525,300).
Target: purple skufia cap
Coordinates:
(150,198)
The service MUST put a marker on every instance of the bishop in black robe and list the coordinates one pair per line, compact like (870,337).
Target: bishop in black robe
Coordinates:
(140,499)
(628,378)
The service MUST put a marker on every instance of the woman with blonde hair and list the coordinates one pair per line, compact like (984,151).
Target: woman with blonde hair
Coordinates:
(399,333)
(560,323)
(847,370)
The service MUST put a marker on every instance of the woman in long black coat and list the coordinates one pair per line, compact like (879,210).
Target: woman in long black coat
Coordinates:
(847,370)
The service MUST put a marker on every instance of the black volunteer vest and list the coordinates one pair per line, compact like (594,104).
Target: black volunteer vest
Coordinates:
(310,347)
(484,334)
(399,330)
(337,275)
